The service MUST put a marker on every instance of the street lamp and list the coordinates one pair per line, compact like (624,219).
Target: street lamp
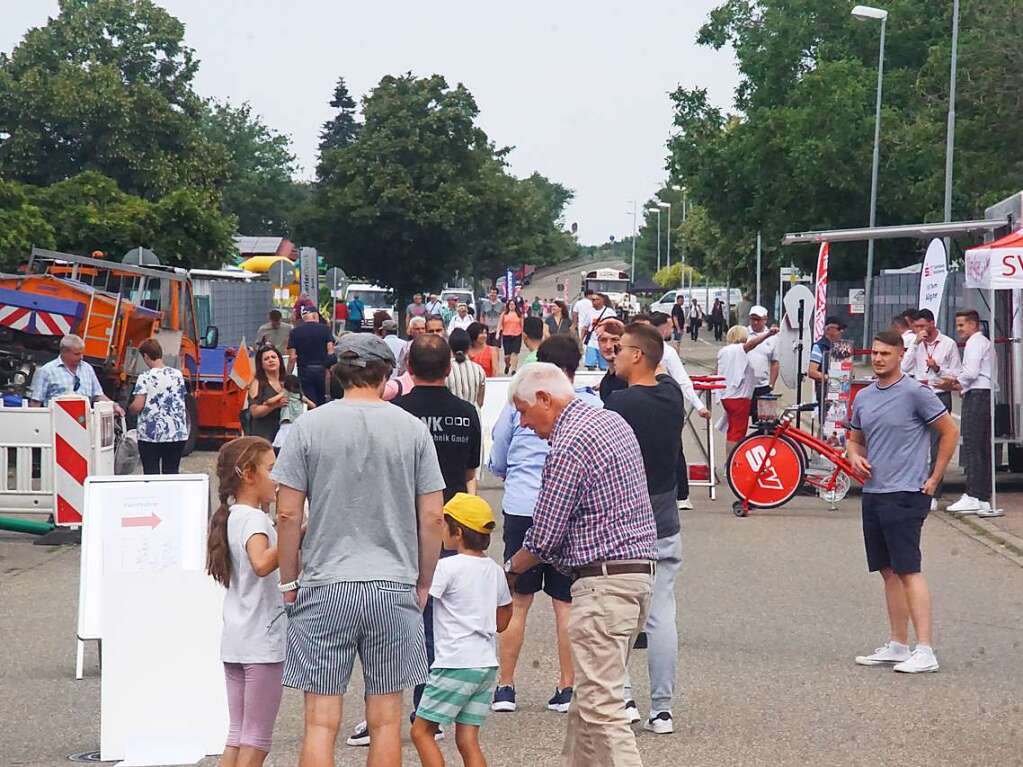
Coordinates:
(950,131)
(633,272)
(668,206)
(657,210)
(865,12)
(684,190)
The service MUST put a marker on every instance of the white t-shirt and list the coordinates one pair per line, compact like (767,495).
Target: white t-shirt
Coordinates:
(584,308)
(673,364)
(467,591)
(597,316)
(733,364)
(254,621)
(761,357)
(460,322)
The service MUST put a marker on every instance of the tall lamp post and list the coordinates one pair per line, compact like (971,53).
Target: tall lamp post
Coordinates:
(633,272)
(658,212)
(668,206)
(866,12)
(682,246)
(951,130)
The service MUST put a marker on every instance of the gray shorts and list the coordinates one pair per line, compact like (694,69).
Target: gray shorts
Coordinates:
(379,621)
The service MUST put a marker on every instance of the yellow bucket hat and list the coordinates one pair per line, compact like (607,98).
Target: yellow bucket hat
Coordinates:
(471,511)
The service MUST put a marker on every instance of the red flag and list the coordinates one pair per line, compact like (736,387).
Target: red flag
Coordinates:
(821,308)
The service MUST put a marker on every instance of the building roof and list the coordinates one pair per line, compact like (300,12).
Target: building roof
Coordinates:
(265,246)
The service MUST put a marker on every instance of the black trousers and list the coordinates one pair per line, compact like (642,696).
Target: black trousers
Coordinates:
(975,453)
(682,477)
(314,383)
(160,457)
(694,329)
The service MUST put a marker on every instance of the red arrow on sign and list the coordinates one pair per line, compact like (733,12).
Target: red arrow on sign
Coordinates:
(151,521)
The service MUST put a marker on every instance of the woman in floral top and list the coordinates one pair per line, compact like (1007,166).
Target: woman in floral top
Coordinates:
(159,399)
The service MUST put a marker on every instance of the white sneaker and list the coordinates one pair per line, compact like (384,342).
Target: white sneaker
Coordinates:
(893,652)
(967,504)
(934,504)
(921,661)
(985,510)
(632,711)
(660,723)
(685,504)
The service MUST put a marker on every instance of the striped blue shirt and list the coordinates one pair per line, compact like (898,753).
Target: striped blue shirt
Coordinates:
(54,378)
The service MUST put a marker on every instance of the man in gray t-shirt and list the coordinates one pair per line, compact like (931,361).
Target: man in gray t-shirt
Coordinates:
(370,473)
(889,443)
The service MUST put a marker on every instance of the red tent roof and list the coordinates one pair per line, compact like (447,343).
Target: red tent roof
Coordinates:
(1011,240)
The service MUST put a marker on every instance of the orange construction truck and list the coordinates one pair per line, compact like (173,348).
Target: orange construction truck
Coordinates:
(113,307)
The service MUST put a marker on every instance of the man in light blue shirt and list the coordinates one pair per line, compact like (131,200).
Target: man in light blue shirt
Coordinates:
(518,456)
(68,374)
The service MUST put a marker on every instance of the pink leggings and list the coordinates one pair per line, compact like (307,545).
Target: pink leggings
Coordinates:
(253,698)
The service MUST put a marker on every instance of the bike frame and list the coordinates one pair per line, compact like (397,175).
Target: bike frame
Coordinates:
(784,428)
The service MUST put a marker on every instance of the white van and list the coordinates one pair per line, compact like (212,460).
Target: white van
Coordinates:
(704,296)
(374,299)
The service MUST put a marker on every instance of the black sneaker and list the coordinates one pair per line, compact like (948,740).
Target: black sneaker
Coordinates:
(561,700)
(661,724)
(504,698)
(360,737)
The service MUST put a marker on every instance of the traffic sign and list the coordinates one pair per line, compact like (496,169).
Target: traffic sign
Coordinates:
(282,273)
(309,277)
(336,280)
(141,257)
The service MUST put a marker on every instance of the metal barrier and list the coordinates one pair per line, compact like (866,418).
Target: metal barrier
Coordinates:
(37,461)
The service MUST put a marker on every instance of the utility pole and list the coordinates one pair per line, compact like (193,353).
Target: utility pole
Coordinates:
(951,129)
(758,266)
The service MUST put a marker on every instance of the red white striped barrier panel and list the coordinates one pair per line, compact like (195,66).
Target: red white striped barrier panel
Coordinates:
(71,448)
(37,322)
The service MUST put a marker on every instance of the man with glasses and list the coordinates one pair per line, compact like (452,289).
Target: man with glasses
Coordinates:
(435,326)
(68,374)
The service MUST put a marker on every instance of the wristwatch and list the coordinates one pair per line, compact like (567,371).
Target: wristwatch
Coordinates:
(508,568)
(290,586)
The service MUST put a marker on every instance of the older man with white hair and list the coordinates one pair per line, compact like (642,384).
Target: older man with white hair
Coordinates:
(68,374)
(592,520)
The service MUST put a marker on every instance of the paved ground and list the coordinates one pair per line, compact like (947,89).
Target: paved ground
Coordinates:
(772,608)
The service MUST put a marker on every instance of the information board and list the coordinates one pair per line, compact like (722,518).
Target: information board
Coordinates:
(145,593)
(309,273)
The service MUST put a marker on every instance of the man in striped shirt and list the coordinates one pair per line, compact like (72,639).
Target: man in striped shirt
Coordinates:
(592,519)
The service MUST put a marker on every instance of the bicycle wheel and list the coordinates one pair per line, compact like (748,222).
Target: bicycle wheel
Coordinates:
(781,477)
(841,489)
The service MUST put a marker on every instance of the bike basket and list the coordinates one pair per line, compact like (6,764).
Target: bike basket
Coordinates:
(769,407)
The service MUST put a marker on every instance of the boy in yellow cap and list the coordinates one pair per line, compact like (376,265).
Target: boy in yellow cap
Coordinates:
(471,605)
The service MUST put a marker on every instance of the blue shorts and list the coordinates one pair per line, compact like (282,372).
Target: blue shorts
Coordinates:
(891,530)
(595,359)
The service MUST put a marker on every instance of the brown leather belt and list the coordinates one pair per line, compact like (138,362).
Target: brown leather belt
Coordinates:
(613,568)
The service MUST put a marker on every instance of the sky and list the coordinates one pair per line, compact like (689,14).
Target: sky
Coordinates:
(579,89)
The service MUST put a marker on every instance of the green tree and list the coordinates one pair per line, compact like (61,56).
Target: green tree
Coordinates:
(106,86)
(394,206)
(88,212)
(258,188)
(22,226)
(796,153)
(343,128)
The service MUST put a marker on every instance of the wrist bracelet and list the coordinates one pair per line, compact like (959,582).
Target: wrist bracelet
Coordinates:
(290,586)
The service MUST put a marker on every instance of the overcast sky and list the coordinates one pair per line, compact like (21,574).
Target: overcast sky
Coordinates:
(578,88)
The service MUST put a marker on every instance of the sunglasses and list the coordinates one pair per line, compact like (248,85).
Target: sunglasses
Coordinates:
(78,384)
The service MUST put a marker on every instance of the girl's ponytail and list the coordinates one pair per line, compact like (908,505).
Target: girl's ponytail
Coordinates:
(233,460)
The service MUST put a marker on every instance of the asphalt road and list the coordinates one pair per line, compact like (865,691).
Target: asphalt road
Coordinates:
(772,609)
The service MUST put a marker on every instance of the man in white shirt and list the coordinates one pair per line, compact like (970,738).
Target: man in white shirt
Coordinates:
(974,383)
(582,314)
(902,324)
(930,359)
(763,358)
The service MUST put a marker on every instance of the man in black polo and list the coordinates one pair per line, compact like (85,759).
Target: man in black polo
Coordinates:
(654,407)
(309,344)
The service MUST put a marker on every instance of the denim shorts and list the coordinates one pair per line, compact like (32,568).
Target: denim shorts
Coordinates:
(891,530)
(555,584)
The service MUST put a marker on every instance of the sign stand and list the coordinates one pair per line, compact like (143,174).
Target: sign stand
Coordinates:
(144,592)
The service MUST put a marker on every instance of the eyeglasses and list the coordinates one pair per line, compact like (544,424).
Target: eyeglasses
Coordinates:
(631,346)
(78,384)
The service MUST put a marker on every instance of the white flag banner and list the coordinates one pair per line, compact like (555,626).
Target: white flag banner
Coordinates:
(932,277)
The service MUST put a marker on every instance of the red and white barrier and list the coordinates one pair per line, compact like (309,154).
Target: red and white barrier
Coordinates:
(71,448)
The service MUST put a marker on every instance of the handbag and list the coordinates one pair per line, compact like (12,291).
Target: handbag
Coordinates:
(126,454)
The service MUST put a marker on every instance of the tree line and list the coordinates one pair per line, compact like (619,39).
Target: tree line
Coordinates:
(105,145)
(793,153)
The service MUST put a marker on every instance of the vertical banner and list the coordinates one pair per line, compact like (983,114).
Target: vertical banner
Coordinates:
(509,284)
(838,393)
(821,293)
(932,277)
(309,277)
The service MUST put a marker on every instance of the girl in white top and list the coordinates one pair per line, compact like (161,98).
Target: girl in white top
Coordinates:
(241,553)
(466,379)
(734,366)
